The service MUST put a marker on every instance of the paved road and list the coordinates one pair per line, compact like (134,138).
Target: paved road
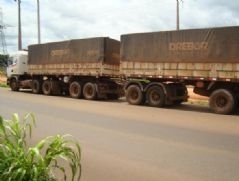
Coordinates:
(121,142)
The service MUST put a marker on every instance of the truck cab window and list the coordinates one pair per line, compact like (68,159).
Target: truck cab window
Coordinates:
(12,61)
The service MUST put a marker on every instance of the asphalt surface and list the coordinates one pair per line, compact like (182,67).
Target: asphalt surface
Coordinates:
(121,142)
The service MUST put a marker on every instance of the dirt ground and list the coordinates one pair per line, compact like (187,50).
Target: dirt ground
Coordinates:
(195,96)
(3,79)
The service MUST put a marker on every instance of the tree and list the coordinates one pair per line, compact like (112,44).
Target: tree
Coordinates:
(3,62)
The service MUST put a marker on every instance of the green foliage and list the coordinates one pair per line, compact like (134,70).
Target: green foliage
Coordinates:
(3,60)
(3,63)
(3,85)
(20,162)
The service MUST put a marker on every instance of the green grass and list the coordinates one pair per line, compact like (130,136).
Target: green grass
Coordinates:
(4,85)
(20,162)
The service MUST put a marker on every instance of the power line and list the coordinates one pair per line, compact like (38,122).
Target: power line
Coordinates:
(2,35)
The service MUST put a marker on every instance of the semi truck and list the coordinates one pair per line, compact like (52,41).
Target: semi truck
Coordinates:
(156,67)
(83,68)
(159,66)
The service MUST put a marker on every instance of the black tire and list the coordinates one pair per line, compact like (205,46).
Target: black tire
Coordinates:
(75,90)
(155,96)
(36,86)
(89,91)
(46,87)
(14,85)
(134,95)
(222,101)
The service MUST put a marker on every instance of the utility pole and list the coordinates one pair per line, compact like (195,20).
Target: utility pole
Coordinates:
(38,22)
(177,18)
(177,15)
(19,26)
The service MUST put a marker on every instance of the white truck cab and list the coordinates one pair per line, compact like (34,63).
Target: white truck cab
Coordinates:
(17,64)
(17,70)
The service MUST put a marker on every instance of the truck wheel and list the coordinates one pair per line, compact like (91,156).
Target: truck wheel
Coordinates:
(134,95)
(14,85)
(46,87)
(155,96)
(222,101)
(75,90)
(36,86)
(89,91)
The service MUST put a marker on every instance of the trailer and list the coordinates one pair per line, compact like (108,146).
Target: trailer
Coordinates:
(82,68)
(159,65)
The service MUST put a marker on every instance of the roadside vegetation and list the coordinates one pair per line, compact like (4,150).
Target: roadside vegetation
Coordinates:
(3,85)
(3,66)
(3,61)
(3,82)
(51,159)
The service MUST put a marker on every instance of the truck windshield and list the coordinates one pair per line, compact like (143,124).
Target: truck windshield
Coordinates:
(10,61)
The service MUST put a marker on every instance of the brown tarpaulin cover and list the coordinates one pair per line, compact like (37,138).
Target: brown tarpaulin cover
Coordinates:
(92,50)
(211,45)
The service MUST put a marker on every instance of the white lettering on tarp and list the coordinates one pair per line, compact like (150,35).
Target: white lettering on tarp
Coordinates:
(188,46)
(59,52)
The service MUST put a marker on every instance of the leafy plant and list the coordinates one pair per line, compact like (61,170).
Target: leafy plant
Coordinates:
(20,162)
(3,63)
(3,60)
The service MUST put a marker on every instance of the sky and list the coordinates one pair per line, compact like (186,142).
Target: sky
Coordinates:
(75,19)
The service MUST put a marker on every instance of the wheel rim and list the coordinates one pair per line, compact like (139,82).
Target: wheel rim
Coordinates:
(46,88)
(134,95)
(14,85)
(221,102)
(154,96)
(89,91)
(75,90)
